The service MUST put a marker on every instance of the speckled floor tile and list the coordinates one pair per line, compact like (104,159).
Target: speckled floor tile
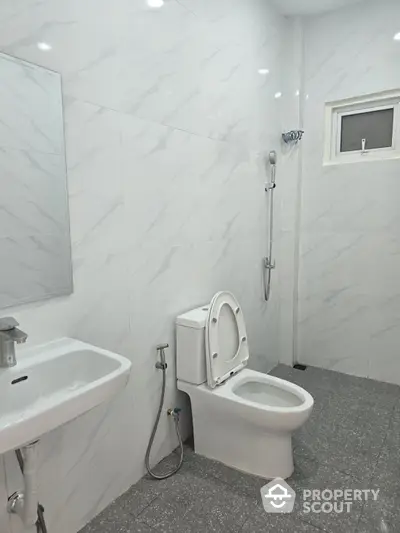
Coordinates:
(225,505)
(209,523)
(261,522)
(115,520)
(312,475)
(316,380)
(382,515)
(161,515)
(387,472)
(352,440)
(199,468)
(349,425)
(211,498)
(354,449)
(240,482)
(299,377)
(138,497)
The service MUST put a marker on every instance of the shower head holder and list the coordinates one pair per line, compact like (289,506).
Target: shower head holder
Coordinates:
(293,136)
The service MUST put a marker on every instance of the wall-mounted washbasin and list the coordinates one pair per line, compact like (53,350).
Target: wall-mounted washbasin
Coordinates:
(53,384)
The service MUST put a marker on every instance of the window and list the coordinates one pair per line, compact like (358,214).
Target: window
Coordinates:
(363,129)
(367,130)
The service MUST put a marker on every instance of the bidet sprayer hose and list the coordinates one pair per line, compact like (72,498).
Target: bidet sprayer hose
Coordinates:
(174,414)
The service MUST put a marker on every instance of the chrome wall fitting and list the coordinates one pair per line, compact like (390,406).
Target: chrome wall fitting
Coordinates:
(293,136)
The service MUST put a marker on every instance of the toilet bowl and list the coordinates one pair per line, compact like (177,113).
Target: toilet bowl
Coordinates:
(242,418)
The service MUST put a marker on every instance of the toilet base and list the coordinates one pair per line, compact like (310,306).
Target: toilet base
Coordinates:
(244,447)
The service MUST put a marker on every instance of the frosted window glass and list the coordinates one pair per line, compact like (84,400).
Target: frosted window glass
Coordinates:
(374,126)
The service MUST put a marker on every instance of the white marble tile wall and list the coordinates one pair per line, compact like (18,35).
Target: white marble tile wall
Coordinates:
(167,123)
(349,286)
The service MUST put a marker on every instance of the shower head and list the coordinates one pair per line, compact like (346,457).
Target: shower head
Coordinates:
(273,157)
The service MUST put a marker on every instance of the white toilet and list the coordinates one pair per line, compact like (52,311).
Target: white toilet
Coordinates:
(241,418)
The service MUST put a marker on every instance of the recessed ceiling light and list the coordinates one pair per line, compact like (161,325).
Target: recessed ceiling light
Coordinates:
(397,37)
(44,46)
(278,95)
(263,71)
(155,3)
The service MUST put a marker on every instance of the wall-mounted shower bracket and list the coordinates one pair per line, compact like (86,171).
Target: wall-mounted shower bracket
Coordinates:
(269,264)
(268,267)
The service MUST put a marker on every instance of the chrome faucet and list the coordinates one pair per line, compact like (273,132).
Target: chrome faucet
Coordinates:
(9,336)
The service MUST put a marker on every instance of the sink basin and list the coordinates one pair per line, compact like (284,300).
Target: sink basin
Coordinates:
(52,384)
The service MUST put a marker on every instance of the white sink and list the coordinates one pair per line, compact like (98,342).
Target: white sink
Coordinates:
(53,384)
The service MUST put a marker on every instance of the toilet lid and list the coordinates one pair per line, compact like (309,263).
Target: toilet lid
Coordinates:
(226,339)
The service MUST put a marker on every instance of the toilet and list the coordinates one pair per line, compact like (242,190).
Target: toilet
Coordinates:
(242,418)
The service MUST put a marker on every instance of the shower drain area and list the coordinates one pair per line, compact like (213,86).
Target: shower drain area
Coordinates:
(298,366)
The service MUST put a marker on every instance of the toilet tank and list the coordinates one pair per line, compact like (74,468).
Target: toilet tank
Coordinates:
(190,347)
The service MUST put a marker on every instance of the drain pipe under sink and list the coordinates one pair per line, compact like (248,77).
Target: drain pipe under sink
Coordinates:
(25,504)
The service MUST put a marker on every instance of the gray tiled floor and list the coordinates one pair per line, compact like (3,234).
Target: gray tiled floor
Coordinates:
(352,440)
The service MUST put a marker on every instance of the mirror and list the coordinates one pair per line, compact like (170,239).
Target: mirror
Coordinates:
(35,250)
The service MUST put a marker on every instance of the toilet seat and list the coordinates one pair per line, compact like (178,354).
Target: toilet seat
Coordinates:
(226,344)
(228,400)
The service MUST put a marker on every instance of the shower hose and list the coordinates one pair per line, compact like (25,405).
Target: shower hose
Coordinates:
(174,413)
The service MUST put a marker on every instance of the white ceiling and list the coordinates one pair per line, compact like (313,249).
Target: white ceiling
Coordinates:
(311,7)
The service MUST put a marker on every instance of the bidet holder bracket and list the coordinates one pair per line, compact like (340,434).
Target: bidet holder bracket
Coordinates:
(162,365)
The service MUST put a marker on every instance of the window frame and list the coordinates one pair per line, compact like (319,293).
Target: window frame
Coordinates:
(334,112)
